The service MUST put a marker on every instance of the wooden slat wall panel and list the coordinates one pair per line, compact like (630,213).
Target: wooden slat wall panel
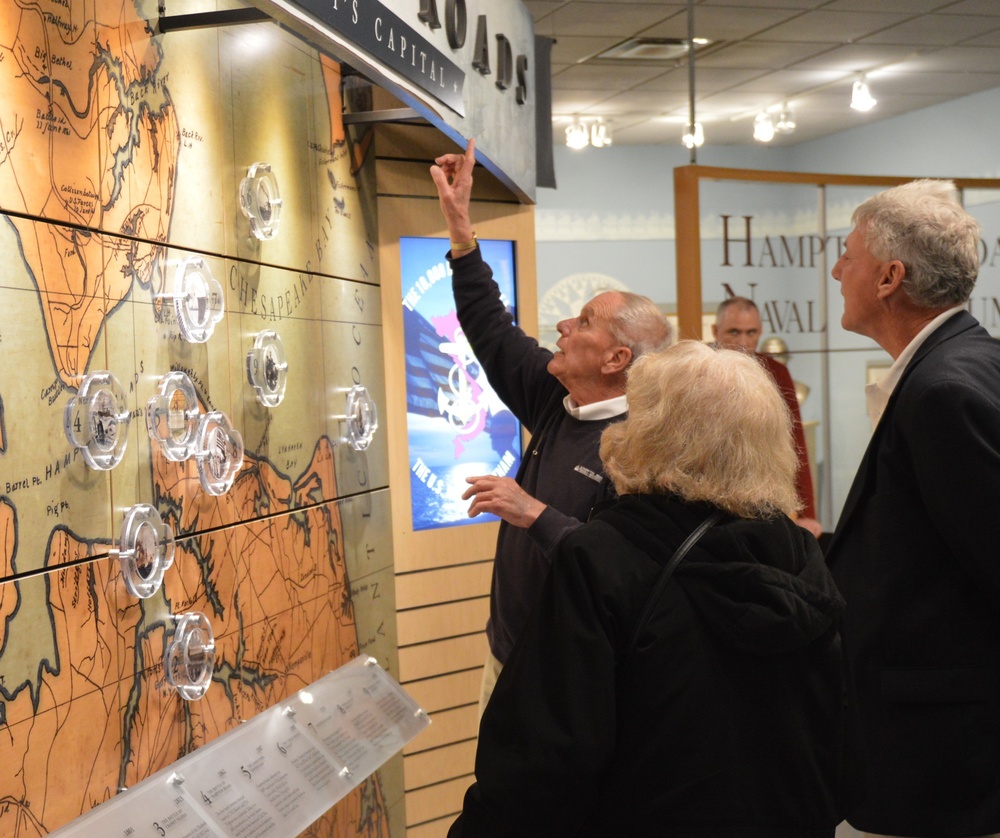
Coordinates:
(448,691)
(436,658)
(445,585)
(430,767)
(447,726)
(435,548)
(420,625)
(442,576)
(433,829)
(440,801)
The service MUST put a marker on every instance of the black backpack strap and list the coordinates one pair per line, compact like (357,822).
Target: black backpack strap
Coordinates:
(664,577)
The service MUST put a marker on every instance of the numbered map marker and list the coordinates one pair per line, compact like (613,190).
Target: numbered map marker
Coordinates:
(172,416)
(360,418)
(146,550)
(96,419)
(218,451)
(267,368)
(260,201)
(197,298)
(190,657)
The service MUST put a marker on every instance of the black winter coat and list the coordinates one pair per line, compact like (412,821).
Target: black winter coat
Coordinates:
(726,719)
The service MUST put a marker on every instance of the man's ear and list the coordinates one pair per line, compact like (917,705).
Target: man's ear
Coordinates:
(715,332)
(616,360)
(891,279)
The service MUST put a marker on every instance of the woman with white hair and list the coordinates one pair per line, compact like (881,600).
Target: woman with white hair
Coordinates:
(683,693)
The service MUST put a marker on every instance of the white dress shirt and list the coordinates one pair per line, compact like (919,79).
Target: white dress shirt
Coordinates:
(607,409)
(877,394)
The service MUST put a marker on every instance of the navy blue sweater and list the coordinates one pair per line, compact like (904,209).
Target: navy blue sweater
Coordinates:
(561,467)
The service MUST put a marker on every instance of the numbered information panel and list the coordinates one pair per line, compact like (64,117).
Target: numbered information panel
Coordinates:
(276,774)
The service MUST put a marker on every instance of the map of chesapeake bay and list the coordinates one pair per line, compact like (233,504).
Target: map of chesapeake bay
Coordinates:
(121,156)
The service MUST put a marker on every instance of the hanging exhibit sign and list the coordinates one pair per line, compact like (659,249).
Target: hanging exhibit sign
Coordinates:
(386,36)
(467,66)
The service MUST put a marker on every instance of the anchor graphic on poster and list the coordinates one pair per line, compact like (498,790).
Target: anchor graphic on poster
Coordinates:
(461,404)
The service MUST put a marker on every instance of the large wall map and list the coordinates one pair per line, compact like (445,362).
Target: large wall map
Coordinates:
(121,155)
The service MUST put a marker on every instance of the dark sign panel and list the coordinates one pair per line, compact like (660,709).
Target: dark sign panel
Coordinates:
(388,39)
(466,66)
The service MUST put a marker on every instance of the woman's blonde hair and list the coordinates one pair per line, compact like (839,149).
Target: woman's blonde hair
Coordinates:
(706,425)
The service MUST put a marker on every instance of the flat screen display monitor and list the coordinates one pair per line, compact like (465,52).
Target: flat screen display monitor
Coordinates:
(456,425)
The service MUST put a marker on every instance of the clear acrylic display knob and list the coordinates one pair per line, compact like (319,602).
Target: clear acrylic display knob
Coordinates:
(172,416)
(190,657)
(145,550)
(360,417)
(260,201)
(96,419)
(218,451)
(198,299)
(267,368)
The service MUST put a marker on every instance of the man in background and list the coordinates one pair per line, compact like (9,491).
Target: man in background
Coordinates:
(915,550)
(737,326)
(565,400)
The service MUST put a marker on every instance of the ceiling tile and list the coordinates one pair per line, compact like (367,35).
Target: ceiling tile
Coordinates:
(570,49)
(946,84)
(761,55)
(594,77)
(831,27)
(788,80)
(600,19)
(836,101)
(990,39)
(706,79)
(806,53)
(767,4)
(538,9)
(722,24)
(957,60)
(902,7)
(632,100)
(973,7)
(857,58)
(936,29)
(730,104)
(671,7)
(574,101)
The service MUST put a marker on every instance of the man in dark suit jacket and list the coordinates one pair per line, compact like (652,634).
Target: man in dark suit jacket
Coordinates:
(915,553)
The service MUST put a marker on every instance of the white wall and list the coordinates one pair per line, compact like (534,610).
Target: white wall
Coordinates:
(957,139)
(610,222)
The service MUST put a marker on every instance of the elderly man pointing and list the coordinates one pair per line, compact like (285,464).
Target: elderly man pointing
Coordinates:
(565,400)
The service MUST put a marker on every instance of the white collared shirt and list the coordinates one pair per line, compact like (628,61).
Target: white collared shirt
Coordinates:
(877,394)
(607,409)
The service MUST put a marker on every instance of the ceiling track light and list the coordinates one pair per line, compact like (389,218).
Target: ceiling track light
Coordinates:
(861,96)
(581,133)
(577,136)
(694,137)
(785,123)
(763,128)
(600,134)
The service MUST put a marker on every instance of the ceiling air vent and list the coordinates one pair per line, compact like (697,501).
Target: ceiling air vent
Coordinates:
(649,49)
